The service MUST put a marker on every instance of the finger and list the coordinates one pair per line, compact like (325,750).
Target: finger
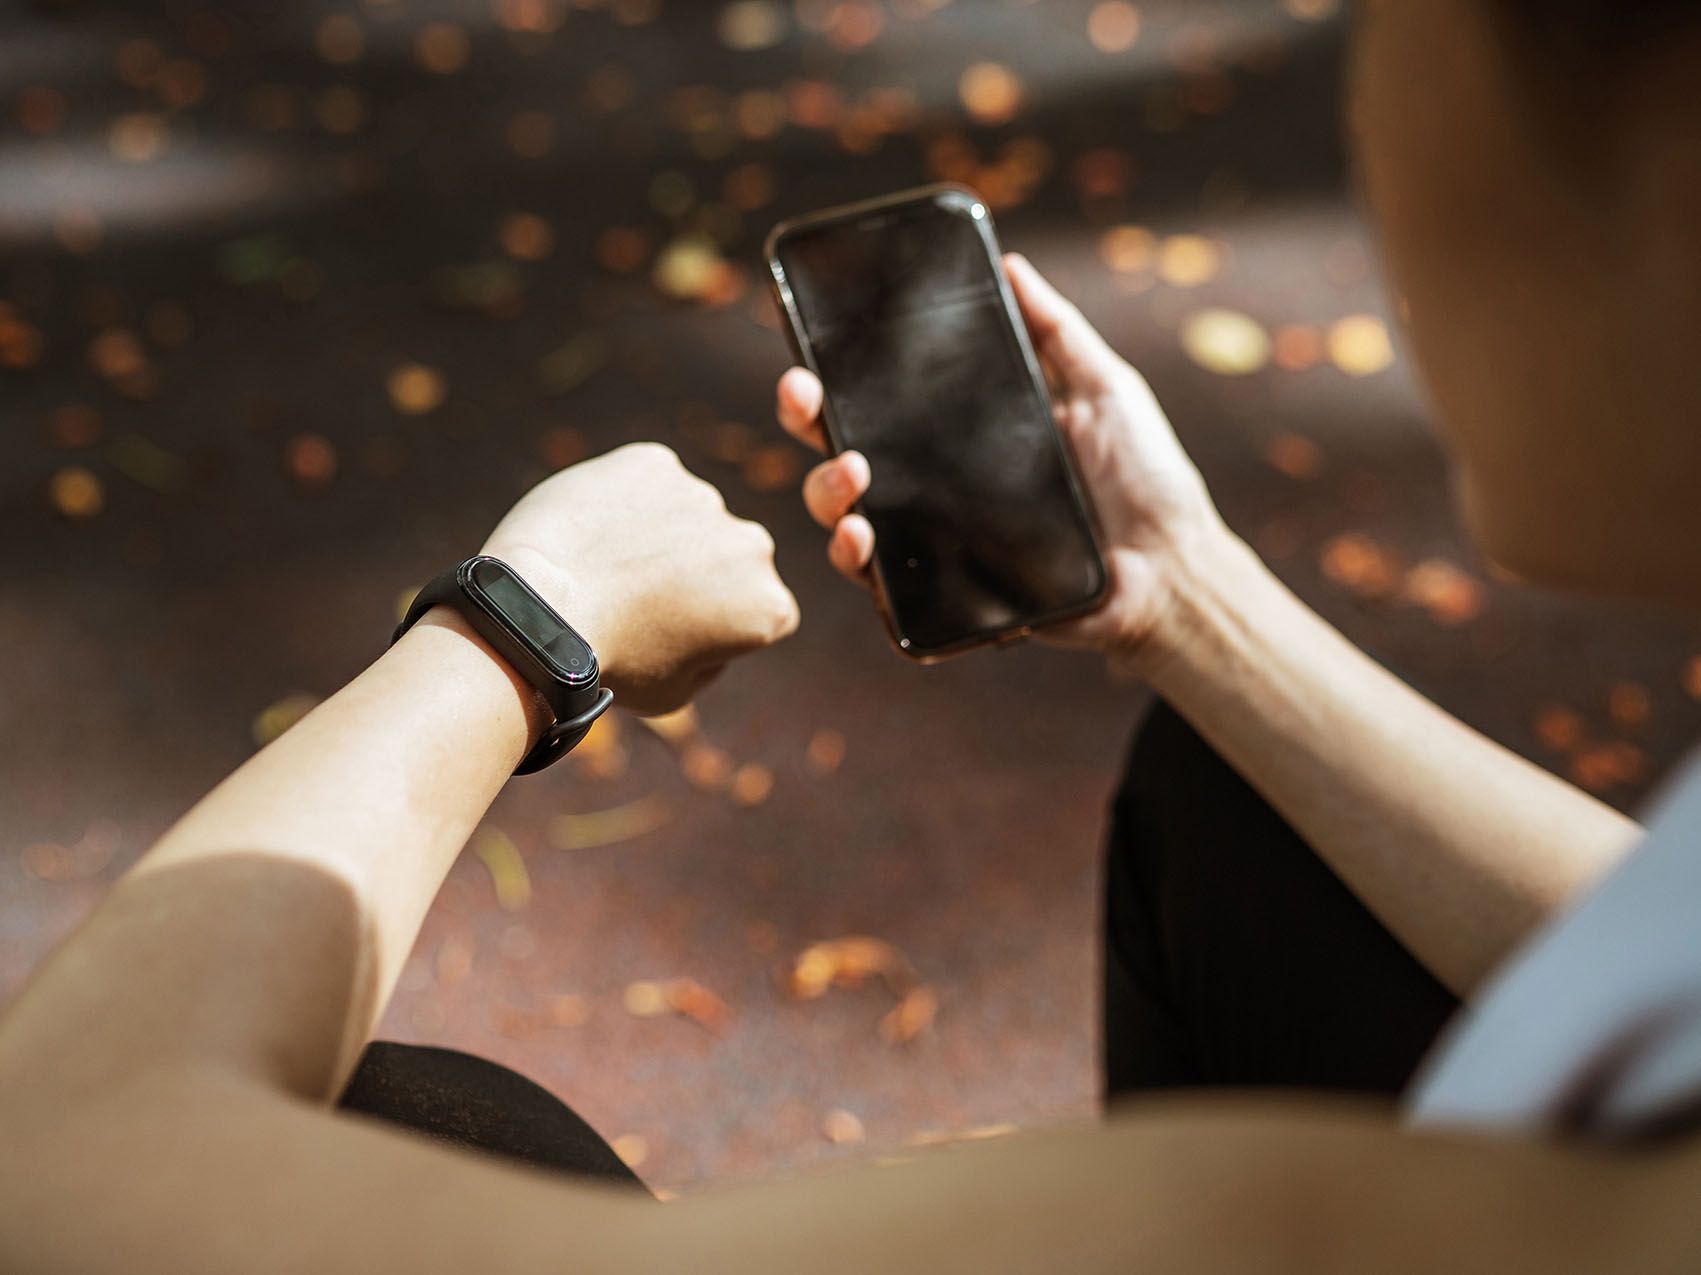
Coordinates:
(1062,335)
(833,486)
(760,535)
(1048,369)
(769,617)
(798,406)
(852,548)
(787,615)
(1090,632)
(748,616)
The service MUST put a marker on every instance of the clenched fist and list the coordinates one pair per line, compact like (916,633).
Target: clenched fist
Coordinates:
(642,557)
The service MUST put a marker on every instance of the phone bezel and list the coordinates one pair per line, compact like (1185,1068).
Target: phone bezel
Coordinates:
(943,195)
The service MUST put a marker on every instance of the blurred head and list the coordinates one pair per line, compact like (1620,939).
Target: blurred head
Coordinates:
(1534,169)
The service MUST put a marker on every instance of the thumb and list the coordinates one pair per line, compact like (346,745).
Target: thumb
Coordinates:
(1062,336)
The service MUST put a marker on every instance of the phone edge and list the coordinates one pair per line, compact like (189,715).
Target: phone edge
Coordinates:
(804,355)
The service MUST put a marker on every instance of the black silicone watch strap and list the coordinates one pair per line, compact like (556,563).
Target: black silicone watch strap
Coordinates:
(561,738)
(576,710)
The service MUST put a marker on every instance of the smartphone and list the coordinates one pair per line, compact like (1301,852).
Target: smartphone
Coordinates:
(900,305)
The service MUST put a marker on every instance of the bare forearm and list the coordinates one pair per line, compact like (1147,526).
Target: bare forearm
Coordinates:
(238,1177)
(383,783)
(1204,1187)
(263,934)
(1459,845)
(266,929)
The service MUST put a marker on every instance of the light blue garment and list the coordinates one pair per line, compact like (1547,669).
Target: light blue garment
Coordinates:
(1595,1026)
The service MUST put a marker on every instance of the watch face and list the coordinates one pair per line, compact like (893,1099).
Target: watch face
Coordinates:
(534,621)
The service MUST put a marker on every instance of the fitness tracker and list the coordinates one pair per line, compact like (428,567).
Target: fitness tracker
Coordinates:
(536,642)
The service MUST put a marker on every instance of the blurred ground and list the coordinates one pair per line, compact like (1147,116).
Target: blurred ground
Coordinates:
(295,299)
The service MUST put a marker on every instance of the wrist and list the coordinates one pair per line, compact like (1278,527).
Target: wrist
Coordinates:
(457,657)
(1216,591)
(573,596)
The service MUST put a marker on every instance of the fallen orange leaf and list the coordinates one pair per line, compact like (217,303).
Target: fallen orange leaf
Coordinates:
(914,1014)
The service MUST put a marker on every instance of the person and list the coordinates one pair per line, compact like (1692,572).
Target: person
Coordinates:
(168,1079)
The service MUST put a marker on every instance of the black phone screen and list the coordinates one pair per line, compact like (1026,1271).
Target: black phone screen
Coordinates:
(978,526)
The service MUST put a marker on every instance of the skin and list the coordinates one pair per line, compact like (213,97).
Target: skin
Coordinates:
(165,1079)
(1348,753)
(1539,216)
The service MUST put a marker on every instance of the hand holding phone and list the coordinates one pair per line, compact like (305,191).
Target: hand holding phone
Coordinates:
(1157,520)
(980,529)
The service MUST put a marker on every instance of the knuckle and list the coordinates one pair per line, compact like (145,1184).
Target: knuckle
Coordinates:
(709,493)
(784,616)
(837,475)
(651,452)
(844,559)
(832,485)
(763,538)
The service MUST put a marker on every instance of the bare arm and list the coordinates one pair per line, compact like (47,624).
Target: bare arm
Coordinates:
(264,932)
(164,1081)
(1459,845)
(202,1173)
